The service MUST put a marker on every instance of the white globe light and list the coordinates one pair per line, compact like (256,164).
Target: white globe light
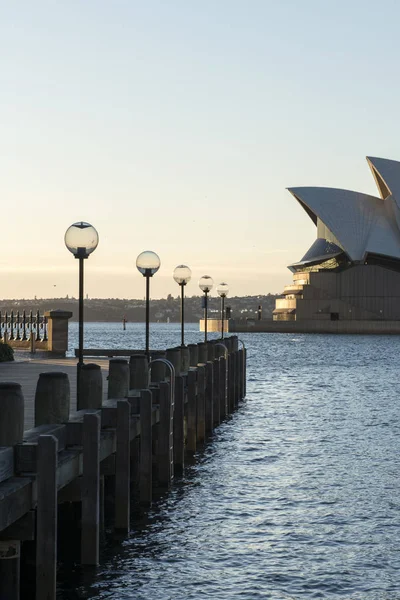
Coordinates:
(222,290)
(182,274)
(206,283)
(148,263)
(81,239)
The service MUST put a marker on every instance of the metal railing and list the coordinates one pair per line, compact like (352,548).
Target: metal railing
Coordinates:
(17,326)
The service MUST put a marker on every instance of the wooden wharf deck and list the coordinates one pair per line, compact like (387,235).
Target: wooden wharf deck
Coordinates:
(137,439)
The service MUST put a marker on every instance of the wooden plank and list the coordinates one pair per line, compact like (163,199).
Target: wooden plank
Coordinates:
(74,427)
(107,466)
(72,492)
(146,413)
(26,452)
(69,467)
(6,462)
(179,424)
(46,537)
(191,410)
(90,490)
(122,466)
(23,529)
(115,352)
(109,413)
(200,404)
(16,499)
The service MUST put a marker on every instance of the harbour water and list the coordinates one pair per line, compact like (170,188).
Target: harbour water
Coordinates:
(297,495)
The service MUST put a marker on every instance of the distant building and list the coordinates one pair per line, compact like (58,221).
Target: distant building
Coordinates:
(352,270)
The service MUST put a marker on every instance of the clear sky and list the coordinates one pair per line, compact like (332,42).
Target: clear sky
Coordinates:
(176,126)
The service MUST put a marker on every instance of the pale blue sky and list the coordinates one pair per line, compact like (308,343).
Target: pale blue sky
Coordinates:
(176,126)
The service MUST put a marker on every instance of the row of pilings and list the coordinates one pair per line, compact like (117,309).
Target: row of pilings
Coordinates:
(157,414)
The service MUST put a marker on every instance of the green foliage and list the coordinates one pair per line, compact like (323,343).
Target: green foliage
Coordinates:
(6,352)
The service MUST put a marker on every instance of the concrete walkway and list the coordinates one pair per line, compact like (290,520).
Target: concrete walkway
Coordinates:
(27,371)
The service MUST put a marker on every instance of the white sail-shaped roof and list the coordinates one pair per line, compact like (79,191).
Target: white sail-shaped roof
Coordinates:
(361,223)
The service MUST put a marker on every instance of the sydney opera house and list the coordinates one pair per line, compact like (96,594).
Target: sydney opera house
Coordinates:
(351,273)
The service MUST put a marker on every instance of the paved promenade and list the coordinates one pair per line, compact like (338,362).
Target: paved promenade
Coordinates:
(26,372)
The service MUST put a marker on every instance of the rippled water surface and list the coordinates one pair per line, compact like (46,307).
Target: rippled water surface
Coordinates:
(297,495)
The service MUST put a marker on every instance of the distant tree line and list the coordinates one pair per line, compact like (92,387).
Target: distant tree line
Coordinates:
(162,310)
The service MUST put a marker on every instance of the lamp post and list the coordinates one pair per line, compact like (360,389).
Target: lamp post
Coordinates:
(205,284)
(222,291)
(147,264)
(182,275)
(81,239)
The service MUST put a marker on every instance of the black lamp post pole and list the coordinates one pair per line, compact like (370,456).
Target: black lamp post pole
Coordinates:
(81,255)
(205,314)
(147,275)
(182,314)
(222,316)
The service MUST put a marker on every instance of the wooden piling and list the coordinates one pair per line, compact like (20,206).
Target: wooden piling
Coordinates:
(90,490)
(10,554)
(52,398)
(118,378)
(231,384)
(179,418)
(210,350)
(223,396)
(12,414)
(122,466)
(191,411)
(209,397)
(138,372)
(145,485)
(216,393)
(201,412)
(46,534)
(91,386)
(165,464)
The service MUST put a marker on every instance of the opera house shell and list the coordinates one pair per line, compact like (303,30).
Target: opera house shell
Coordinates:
(351,273)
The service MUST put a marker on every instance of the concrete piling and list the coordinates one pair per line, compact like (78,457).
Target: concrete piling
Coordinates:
(52,398)
(174,356)
(193,355)
(138,372)
(158,369)
(202,353)
(185,359)
(118,378)
(91,384)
